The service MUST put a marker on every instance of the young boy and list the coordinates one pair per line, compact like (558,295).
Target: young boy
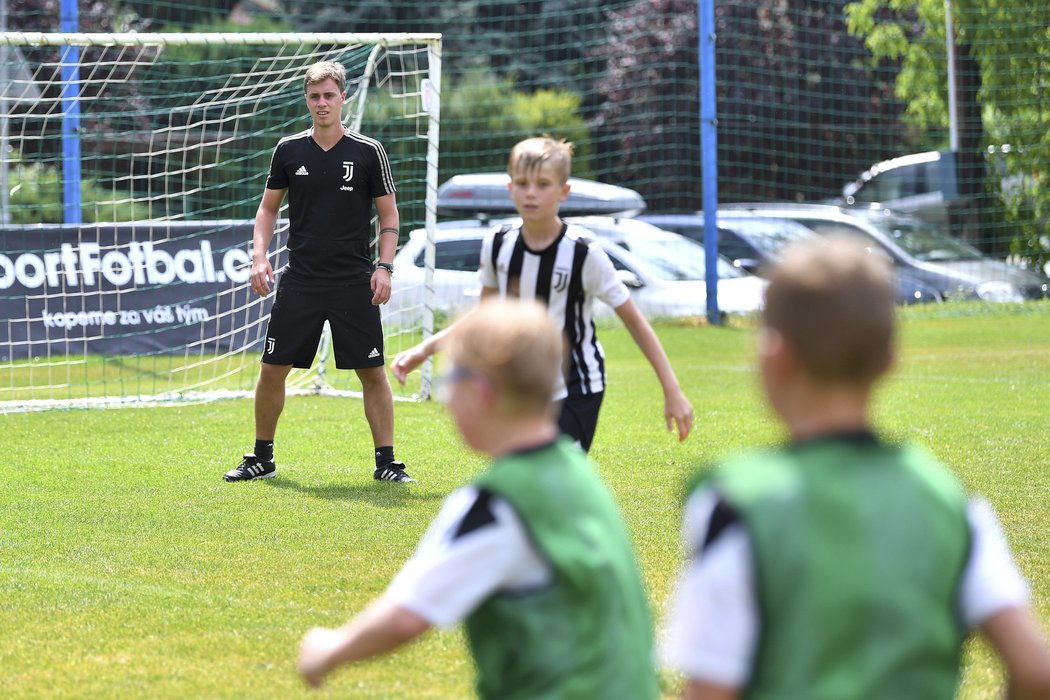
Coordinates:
(558,265)
(333,177)
(841,566)
(533,556)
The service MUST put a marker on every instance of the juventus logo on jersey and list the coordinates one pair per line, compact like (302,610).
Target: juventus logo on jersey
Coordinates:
(348,170)
(560,279)
(270,344)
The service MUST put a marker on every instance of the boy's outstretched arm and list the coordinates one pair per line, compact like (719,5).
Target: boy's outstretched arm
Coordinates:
(1016,635)
(379,628)
(677,410)
(408,360)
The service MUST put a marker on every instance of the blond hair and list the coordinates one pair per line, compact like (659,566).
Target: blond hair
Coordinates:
(325,70)
(530,155)
(832,300)
(516,347)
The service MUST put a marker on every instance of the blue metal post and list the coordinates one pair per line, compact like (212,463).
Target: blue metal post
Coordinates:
(709,152)
(69,22)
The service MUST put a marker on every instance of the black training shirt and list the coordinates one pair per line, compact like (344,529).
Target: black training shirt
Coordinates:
(330,197)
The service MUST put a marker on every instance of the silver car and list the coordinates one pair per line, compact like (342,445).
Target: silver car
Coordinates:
(956,270)
(663,282)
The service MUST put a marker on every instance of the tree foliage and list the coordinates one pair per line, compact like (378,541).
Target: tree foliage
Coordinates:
(647,122)
(803,104)
(1008,45)
(165,16)
(93,16)
(36,197)
(479,139)
(780,71)
(537,44)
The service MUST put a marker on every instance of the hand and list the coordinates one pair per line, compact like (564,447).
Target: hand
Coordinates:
(677,411)
(262,277)
(406,361)
(315,654)
(380,286)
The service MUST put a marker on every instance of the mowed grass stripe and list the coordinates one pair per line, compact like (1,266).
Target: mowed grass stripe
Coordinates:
(129,569)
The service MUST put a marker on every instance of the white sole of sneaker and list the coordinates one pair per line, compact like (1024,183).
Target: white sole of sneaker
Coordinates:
(252,478)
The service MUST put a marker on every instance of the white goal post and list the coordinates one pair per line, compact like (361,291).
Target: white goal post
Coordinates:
(131,166)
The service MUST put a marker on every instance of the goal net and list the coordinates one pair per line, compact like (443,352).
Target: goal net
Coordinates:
(132,166)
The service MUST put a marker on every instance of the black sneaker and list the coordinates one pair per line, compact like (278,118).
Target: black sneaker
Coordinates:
(393,471)
(252,468)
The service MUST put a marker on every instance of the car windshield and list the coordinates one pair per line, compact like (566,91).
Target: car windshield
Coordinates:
(769,236)
(924,242)
(677,258)
(461,255)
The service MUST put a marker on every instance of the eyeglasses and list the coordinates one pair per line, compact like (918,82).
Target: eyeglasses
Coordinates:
(443,382)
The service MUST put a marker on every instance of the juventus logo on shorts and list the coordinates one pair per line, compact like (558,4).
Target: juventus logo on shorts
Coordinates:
(348,170)
(270,344)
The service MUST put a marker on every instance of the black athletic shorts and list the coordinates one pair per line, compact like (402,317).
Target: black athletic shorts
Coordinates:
(297,319)
(578,417)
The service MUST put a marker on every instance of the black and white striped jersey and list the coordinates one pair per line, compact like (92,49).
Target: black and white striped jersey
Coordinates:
(568,276)
(476,547)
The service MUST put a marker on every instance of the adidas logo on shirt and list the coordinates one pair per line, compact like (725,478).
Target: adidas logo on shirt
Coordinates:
(374,353)
(301,170)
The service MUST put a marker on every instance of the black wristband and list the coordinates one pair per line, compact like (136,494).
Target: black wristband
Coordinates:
(386,266)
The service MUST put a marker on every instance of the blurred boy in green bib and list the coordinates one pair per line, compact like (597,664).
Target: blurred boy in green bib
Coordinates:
(533,556)
(840,567)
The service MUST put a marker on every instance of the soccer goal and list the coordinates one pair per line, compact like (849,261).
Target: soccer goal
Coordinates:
(131,169)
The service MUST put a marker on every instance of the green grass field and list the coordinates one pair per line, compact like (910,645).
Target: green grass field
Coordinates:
(129,569)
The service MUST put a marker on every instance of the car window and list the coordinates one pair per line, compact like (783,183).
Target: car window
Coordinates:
(869,191)
(617,263)
(458,255)
(931,174)
(767,236)
(730,245)
(865,192)
(843,228)
(885,186)
(678,258)
(924,242)
(913,180)
(832,228)
(903,181)
(687,230)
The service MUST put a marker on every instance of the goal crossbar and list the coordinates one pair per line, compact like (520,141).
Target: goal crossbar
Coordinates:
(144,300)
(231,39)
